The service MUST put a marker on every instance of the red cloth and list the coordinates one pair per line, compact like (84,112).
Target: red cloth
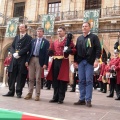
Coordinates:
(29,117)
(58,48)
(63,73)
(42,76)
(114,61)
(7,61)
(101,71)
(118,73)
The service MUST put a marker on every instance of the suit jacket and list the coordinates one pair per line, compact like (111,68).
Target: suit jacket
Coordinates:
(43,51)
(22,46)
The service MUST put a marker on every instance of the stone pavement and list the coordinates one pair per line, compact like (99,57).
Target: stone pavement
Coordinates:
(103,108)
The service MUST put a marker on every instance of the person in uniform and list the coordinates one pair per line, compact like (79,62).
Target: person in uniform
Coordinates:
(37,61)
(59,71)
(117,69)
(6,64)
(112,65)
(17,69)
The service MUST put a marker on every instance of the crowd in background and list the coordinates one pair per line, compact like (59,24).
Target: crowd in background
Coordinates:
(40,63)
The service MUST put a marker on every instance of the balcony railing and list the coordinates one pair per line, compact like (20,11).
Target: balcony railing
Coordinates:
(72,15)
(68,15)
(110,11)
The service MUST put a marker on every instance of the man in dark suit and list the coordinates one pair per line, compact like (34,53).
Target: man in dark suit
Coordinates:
(37,59)
(17,69)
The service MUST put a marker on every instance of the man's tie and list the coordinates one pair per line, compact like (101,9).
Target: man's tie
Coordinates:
(21,36)
(38,46)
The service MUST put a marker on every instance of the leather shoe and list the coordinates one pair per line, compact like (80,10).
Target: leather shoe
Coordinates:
(80,102)
(103,91)
(37,98)
(8,95)
(110,96)
(53,101)
(28,96)
(60,102)
(88,104)
(18,96)
(117,98)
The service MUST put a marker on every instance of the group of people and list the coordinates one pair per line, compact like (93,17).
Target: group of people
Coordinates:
(109,74)
(34,55)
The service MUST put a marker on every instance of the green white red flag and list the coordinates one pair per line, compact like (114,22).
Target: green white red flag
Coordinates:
(16,115)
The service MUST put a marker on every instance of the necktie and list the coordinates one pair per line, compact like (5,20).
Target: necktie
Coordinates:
(21,36)
(37,47)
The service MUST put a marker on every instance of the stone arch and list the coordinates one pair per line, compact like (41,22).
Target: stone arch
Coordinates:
(3,56)
(4,50)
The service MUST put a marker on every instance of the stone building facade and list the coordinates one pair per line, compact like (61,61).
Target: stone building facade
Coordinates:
(68,13)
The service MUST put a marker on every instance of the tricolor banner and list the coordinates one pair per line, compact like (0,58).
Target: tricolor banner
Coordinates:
(16,115)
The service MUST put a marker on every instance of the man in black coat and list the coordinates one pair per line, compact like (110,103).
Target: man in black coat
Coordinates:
(17,69)
(88,51)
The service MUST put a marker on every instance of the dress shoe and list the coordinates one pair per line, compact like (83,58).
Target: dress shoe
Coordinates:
(88,104)
(48,89)
(18,96)
(53,101)
(28,96)
(103,91)
(60,102)
(117,98)
(8,95)
(80,102)
(110,96)
(72,91)
(37,98)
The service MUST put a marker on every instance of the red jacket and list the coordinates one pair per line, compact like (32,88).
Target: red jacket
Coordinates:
(58,47)
(7,61)
(118,73)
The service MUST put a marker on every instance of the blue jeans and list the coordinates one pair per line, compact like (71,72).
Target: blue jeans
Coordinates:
(85,73)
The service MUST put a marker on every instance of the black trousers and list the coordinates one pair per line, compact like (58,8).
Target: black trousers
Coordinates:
(118,90)
(95,81)
(16,77)
(75,78)
(112,86)
(59,86)
(101,85)
(48,84)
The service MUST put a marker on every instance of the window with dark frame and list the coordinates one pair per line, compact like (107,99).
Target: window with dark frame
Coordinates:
(54,8)
(92,4)
(19,10)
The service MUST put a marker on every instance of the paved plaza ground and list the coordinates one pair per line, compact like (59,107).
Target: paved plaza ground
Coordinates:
(103,108)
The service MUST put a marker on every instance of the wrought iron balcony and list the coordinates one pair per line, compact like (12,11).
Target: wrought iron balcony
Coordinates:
(110,11)
(67,15)
(70,15)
